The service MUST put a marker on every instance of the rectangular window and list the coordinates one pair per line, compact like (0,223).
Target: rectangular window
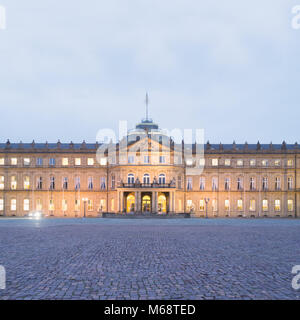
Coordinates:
(215,205)
(290,162)
(26,161)
(90,183)
(113,181)
(264,163)
(227,184)
(201,205)
(65,183)
(103,161)
(77,205)
(227,205)
(102,183)
(39,183)
(13,161)
(290,205)
(1,204)
(26,205)
(277,183)
(214,162)
(214,184)
(252,184)
(240,205)
(265,205)
(146,159)
(112,204)
(277,163)
(90,161)
(26,183)
(290,183)
(227,162)
(277,205)
(1,182)
(51,205)
(179,182)
(189,185)
(65,161)
(90,205)
(252,205)
(13,183)
(265,183)
(77,161)
(64,205)
(130,159)
(102,205)
(202,183)
(39,161)
(162,159)
(52,162)
(77,183)
(13,204)
(52,183)
(189,204)
(202,162)
(2,162)
(239,163)
(252,162)
(39,205)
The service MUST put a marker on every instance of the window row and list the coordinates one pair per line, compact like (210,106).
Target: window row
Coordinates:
(240,205)
(242,162)
(239,184)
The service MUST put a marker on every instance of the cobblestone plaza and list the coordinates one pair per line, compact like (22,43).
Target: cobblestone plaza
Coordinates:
(149,258)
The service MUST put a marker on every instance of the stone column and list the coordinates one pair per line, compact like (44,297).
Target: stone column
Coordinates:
(153,202)
(136,201)
(173,203)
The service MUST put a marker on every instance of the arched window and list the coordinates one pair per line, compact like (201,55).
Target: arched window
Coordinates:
(130,178)
(146,178)
(162,178)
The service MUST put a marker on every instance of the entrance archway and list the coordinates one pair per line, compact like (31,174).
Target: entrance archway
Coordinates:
(146,203)
(130,203)
(162,203)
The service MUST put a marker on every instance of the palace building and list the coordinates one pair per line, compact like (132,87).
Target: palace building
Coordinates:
(148,173)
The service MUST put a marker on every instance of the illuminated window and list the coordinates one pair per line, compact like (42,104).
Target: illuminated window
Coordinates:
(227,205)
(102,205)
(77,205)
(202,162)
(39,183)
(13,204)
(265,183)
(239,163)
(277,183)
(214,162)
(26,205)
(65,183)
(189,204)
(162,159)
(146,159)
(13,183)
(252,162)
(290,205)
(26,161)
(77,183)
(277,205)
(77,161)
(201,205)
(52,183)
(103,161)
(90,183)
(64,205)
(214,205)
(65,161)
(13,161)
(265,205)
(252,205)
(26,183)
(179,205)
(90,161)
(227,162)
(39,205)
(39,161)
(162,178)
(277,163)
(290,183)
(102,183)
(51,205)
(189,185)
(90,205)
(202,183)
(1,204)
(214,183)
(264,163)
(112,204)
(2,162)
(290,162)
(240,205)
(1,182)
(52,162)
(227,184)
(252,183)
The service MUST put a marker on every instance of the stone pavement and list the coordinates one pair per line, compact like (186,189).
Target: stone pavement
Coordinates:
(63,259)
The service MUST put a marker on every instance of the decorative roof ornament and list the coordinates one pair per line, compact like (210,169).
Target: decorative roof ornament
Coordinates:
(271,146)
(71,145)
(283,146)
(58,144)
(221,148)
(258,146)
(233,145)
(20,145)
(208,145)
(32,144)
(7,145)
(83,145)
(246,146)
(46,145)
(296,145)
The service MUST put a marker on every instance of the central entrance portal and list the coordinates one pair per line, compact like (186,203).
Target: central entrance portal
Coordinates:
(146,202)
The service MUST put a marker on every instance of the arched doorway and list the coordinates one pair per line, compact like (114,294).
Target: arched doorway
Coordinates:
(162,203)
(146,203)
(130,203)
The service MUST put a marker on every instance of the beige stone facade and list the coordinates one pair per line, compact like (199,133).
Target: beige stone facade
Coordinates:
(70,180)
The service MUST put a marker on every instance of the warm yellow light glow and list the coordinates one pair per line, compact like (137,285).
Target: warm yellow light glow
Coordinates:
(65,161)
(90,161)
(77,161)
(14,161)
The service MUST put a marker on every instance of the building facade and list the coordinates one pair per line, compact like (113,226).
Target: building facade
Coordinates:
(149,173)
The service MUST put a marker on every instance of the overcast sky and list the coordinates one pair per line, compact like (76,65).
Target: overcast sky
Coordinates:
(69,68)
